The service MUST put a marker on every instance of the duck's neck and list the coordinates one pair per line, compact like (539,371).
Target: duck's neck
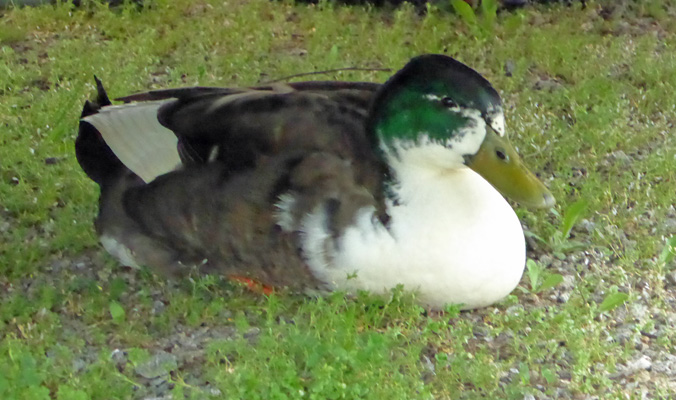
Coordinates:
(414,170)
(432,189)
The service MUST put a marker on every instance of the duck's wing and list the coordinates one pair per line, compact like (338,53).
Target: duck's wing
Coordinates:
(155,131)
(235,126)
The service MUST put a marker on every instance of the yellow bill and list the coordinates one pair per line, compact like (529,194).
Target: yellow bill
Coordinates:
(498,162)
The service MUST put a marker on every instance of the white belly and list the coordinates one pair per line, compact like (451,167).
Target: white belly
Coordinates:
(454,239)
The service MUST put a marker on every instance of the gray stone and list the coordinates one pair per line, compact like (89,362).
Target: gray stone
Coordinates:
(510,65)
(549,85)
(671,278)
(516,309)
(568,282)
(632,367)
(158,307)
(639,311)
(252,333)
(666,366)
(621,157)
(587,225)
(78,365)
(428,365)
(119,358)
(158,365)
(563,297)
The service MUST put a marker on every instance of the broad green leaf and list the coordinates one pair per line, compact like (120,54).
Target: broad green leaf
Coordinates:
(36,393)
(533,271)
(668,252)
(30,374)
(524,373)
(612,301)
(550,281)
(489,8)
(333,53)
(572,215)
(535,236)
(549,376)
(137,355)
(68,393)
(465,12)
(489,11)
(117,312)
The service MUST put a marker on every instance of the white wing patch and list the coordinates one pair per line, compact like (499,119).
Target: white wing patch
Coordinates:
(134,134)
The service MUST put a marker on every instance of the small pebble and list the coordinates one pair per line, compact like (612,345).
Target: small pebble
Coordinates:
(670,224)
(158,365)
(158,307)
(480,331)
(252,333)
(632,367)
(119,357)
(563,297)
(509,67)
(78,365)
(621,157)
(549,85)
(565,375)
(587,225)
(428,365)
(671,278)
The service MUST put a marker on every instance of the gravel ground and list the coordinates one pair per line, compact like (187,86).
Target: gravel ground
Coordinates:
(183,350)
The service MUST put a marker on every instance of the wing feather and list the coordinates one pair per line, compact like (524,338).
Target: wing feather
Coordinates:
(134,134)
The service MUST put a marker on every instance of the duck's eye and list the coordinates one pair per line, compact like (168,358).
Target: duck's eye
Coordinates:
(448,102)
(501,155)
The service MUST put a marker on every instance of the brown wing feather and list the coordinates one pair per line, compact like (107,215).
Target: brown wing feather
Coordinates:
(241,127)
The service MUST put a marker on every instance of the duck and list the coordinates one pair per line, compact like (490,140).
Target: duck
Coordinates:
(318,186)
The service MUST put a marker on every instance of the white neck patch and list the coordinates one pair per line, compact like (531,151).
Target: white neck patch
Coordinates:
(497,120)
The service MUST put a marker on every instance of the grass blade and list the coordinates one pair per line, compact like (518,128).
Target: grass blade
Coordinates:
(572,215)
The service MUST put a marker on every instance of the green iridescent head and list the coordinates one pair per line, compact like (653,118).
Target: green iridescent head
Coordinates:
(438,101)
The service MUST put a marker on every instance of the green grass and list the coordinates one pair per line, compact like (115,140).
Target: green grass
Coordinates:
(602,136)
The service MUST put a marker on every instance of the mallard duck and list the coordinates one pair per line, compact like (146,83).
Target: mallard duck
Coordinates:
(318,186)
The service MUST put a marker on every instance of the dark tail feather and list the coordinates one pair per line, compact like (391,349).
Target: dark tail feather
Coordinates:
(94,156)
(101,100)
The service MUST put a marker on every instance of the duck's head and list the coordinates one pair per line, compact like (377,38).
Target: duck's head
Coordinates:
(442,110)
